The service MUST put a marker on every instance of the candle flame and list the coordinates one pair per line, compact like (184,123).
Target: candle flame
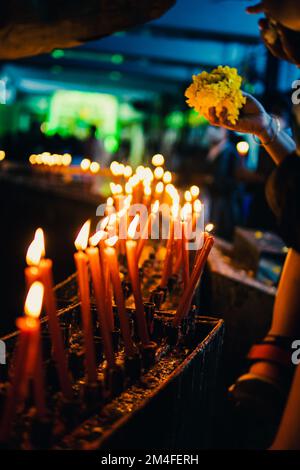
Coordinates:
(112,241)
(127,171)
(197,205)
(114,168)
(81,241)
(167,178)
(116,189)
(112,219)
(85,164)
(97,237)
(155,207)
(128,188)
(158,160)
(175,210)
(133,226)
(159,188)
(195,191)
(159,172)
(187,196)
(35,250)
(109,202)
(147,190)
(34,300)
(40,238)
(186,211)
(104,222)
(209,227)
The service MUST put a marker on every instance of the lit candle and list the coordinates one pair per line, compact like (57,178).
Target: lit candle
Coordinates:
(112,262)
(131,248)
(187,297)
(41,269)
(25,361)
(81,261)
(146,229)
(184,251)
(99,286)
(168,262)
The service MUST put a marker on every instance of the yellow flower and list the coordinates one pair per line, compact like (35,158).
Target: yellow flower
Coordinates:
(220,89)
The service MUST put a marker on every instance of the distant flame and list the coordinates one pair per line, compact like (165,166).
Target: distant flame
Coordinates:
(81,241)
(158,160)
(197,205)
(116,189)
(104,222)
(155,207)
(187,196)
(35,250)
(159,187)
(111,241)
(34,300)
(209,227)
(40,238)
(97,237)
(195,191)
(133,226)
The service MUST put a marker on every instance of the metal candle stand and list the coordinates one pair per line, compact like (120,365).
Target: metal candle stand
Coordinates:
(150,378)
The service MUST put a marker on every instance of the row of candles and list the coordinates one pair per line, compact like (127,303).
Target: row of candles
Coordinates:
(97,258)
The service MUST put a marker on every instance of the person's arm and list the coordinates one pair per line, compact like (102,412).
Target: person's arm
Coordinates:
(277,144)
(256,121)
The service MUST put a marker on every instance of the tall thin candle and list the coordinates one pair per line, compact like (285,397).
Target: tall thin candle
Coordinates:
(131,248)
(81,261)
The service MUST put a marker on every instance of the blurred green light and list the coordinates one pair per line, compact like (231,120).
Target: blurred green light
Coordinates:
(111,144)
(58,54)
(117,59)
(175,120)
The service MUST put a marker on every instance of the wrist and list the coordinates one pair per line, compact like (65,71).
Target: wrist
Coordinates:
(266,131)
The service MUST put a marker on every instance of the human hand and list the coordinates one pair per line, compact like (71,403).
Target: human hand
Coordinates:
(282,41)
(253,118)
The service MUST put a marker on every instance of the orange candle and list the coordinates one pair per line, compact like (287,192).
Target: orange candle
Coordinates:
(185,255)
(59,355)
(168,263)
(131,248)
(187,297)
(41,269)
(146,229)
(25,361)
(99,286)
(112,262)
(81,261)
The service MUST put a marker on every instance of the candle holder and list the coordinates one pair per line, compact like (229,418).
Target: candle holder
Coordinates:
(116,339)
(98,343)
(76,364)
(41,432)
(133,367)
(148,354)
(66,333)
(114,379)
(172,283)
(92,394)
(127,289)
(70,411)
(158,328)
(172,333)
(149,312)
(157,297)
